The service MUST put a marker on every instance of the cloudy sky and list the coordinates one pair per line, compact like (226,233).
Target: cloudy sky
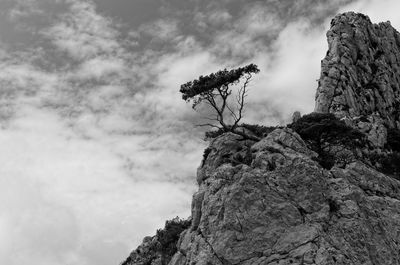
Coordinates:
(97,147)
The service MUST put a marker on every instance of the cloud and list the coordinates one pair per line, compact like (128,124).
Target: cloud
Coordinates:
(83,33)
(259,22)
(161,30)
(285,83)
(24,8)
(20,83)
(100,68)
(86,137)
(214,18)
(53,201)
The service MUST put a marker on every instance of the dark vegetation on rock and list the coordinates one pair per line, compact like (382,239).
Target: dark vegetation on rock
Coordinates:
(390,165)
(169,236)
(337,143)
(332,139)
(160,248)
(388,161)
(393,140)
(250,129)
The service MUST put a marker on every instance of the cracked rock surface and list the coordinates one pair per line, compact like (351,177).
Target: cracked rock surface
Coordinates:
(284,208)
(360,75)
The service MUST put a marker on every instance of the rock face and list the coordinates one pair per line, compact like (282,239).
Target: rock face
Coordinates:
(361,72)
(271,202)
(145,254)
(360,76)
(284,208)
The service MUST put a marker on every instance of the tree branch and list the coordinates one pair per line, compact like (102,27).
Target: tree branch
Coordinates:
(208,124)
(240,99)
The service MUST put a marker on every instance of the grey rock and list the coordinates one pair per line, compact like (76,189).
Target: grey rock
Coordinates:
(360,75)
(145,254)
(294,212)
(296,116)
(284,208)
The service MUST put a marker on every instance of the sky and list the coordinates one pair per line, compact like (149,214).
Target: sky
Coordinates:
(97,147)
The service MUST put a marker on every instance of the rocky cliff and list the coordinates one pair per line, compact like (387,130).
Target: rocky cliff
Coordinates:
(360,76)
(277,201)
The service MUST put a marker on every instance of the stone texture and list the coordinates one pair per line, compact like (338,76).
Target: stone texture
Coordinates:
(284,208)
(145,254)
(296,116)
(360,75)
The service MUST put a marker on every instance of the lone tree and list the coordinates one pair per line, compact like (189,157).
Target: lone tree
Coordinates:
(214,90)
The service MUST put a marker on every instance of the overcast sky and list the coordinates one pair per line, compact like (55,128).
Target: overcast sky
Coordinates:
(97,147)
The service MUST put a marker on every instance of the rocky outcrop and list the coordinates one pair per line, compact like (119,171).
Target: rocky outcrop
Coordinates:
(271,202)
(146,253)
(159,249)
(284,208)
(360,75)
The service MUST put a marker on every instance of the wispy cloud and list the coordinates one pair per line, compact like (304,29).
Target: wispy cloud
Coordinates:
(64,200)
(83,33)
(100,68)
(87,135)
(24,8)
(162,30)
(212,19)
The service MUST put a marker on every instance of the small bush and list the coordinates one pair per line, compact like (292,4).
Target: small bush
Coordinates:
(323,131)
(387,163)
(325,127)
(257,130)
(390,164)
(393,140)
(127,261)
(169,236)
(206,152)
(326,160)
(214,134)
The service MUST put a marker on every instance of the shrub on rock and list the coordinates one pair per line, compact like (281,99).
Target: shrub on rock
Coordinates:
(330,137)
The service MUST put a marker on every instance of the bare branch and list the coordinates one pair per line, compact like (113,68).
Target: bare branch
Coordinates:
(240,99)
(207,124)
(233,114)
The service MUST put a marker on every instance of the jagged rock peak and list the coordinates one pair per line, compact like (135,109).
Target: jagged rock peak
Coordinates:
(360,75)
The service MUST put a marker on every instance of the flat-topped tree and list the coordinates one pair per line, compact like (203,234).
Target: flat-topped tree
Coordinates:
(214,90)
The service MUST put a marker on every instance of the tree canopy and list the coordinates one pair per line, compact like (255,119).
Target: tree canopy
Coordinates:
(216,80)
(214,90)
